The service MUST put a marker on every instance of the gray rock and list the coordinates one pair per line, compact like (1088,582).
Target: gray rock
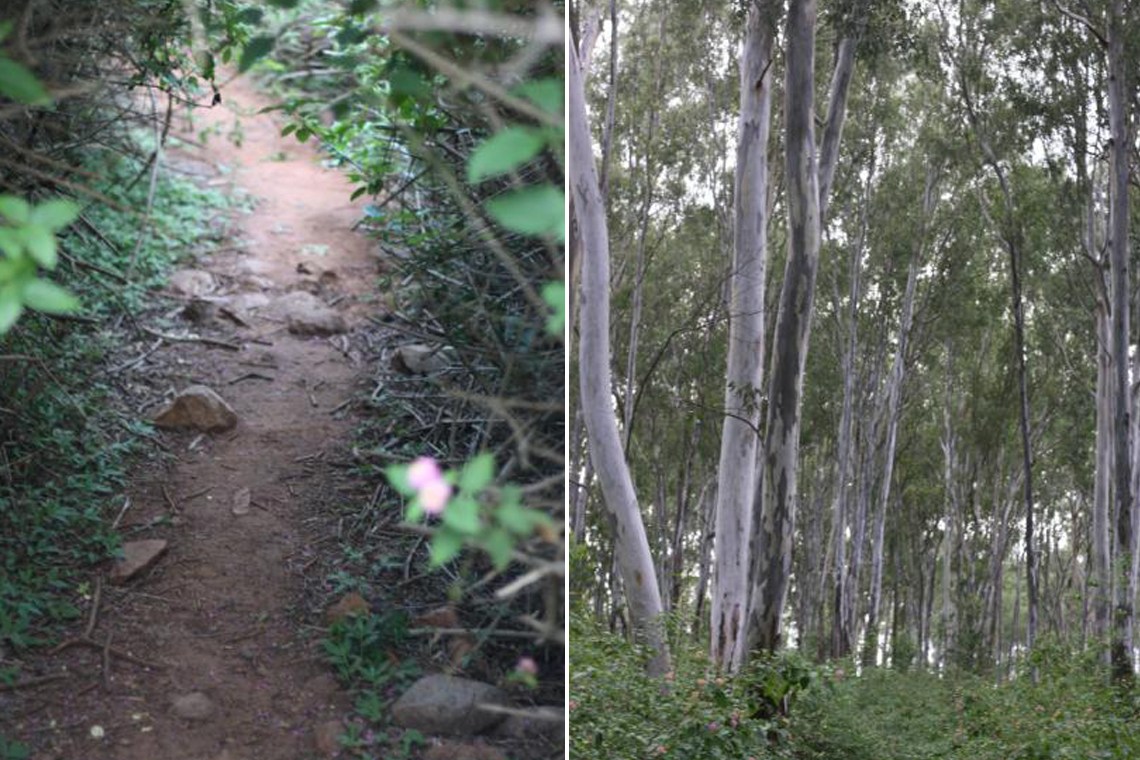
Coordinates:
(419,359)
(199,408)
(191,282)
(193,706)
(546,722)
(137,556)
(305,314)
(441,704)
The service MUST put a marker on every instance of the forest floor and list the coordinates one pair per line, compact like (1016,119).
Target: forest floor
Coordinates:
(224,612)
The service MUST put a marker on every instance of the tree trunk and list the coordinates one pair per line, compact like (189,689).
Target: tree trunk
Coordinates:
(632,546)
(745,345)
(1118,123)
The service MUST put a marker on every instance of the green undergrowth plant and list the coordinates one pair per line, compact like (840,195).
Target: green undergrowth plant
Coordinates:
(65,436)
(617,711)
(369,654)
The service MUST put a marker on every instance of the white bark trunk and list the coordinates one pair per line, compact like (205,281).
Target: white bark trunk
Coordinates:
(632,547)
(745,346)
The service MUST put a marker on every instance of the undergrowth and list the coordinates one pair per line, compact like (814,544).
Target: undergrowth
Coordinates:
(66,436)
(831,713)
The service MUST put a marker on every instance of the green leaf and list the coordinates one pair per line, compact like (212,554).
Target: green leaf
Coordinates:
(503,152)
(477,474)
(445,544)
(397,475)
(15,209)
(404,81)
(499,546)
(255,50)
(288,130)
(362,6)
(462,515)
(40,244)
(55,215)
(531,211)
(10,307)
(10,243)
(547,94)
(46,296)
(5,29)
(554,293)
(250,16)
(287,4)
(20,84)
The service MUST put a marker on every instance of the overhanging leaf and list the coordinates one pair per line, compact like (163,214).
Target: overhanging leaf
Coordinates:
(532,211)
(20,84)
(477,474)
(46,296)
(255,50)
(503,152)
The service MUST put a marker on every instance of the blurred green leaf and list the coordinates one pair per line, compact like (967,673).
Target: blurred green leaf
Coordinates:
(504,152)
(46,296)
(18,83)
(255,50)
(477,474)
(533,211)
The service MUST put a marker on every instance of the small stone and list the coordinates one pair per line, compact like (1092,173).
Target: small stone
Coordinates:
(191,282)
(199,408)
(546,722)
(193,706)
(458,751)
(419,359)
(327,735)
(305,314)
(441,617)
(441,704)
(137,556)
(349,604)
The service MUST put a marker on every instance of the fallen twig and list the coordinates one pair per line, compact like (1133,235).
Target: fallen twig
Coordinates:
(90,644)
(193,339)
(94,616)
(39,680)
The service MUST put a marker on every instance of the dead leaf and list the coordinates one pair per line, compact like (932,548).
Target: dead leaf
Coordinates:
(241,501)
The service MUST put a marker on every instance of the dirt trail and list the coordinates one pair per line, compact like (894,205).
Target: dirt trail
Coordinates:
(216,608)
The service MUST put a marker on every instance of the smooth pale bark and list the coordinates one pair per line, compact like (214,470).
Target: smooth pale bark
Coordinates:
(631,547)
(708,518)
(840,630)
(773,528)
(1101,529)
(578,488)
(739,437)
(774,501)
(949,542)
(1119,249)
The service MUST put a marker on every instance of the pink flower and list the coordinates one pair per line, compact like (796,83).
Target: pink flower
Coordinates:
(423,471)
(573,703)
(662,749)
(527,665)
(712,727)
(434,496)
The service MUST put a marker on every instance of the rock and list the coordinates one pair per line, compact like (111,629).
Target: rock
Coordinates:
(349,604)
(441,617)
(458,751)
(305,314)
(191,282)
(419,359)
(526,726)
(245,302)
(193,706)
(200,311)
(200,408)
(326,736)
(440,704)
(137,556)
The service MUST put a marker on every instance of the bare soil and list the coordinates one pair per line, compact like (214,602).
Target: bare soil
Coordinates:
(217,614)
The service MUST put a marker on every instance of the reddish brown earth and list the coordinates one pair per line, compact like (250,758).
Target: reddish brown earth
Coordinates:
(215,612)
